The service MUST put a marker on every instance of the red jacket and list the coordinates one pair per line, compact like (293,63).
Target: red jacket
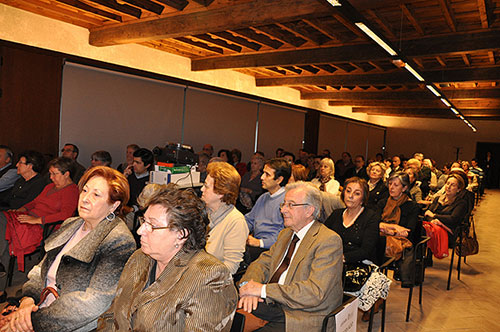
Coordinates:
(51,205)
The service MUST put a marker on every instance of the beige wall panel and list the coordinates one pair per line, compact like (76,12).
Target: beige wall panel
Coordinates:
(280,127)
(223,121)
(357,136)
(332,135)
(104,110)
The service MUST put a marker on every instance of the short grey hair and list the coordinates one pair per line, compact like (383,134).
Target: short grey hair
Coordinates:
(312,194)
(403,177)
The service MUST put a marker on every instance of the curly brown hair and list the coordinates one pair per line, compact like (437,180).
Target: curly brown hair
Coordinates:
(186,213)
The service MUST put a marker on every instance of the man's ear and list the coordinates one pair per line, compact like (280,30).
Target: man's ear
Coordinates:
(279,179)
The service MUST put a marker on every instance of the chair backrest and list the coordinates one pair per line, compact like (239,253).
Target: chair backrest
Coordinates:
(238,322)
(346,315)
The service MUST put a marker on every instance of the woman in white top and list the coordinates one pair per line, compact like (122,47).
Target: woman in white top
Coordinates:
(228,230)
(325,181)
(83,260)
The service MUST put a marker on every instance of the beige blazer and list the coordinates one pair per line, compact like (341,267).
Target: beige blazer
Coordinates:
(195,292)
(313,285)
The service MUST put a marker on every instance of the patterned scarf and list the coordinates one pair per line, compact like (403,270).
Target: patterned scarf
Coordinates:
(392,212)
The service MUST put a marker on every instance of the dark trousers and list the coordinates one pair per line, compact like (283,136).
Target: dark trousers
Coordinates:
(273,314)
(252,253)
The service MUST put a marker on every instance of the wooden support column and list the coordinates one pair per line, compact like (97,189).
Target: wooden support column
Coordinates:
(311,131)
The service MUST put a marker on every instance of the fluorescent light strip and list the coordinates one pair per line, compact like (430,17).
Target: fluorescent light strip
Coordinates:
(433,90)
(445,102)
(376,38)
(334,3)
(461,117)
(414,73)
(454,110)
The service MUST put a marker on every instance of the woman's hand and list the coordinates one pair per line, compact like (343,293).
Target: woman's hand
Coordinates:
(430,214)
(439,223)
(25,219)
(393,229)
(21,320)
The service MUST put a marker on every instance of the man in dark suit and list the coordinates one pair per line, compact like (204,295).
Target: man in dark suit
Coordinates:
(298,281)
(359,168)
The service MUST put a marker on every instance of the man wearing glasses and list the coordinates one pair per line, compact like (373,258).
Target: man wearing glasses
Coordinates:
(298,281)
(71,151)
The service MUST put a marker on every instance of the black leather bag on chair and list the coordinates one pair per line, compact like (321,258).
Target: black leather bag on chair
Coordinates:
(407,268)
(355,276)
(469,245)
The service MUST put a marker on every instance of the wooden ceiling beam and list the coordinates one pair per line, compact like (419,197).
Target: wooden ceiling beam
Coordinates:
(428,102)
(483,14)
(429,46)
(205,3)
(450,20)
(237,40)
(123,9)
(399,77)
(89,9)
(412,19)
(219,42)
(426,111)
(259,37)
(466,59)
(283,35)
(454,95)
(384,25)
(240,15)
(150,6)
(176,4)
(324,29)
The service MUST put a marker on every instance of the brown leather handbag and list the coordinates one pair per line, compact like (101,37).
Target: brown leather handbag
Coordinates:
(469,245)
(6,314)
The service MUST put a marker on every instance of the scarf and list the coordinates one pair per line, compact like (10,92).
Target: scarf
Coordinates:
(324,181)
(392,212)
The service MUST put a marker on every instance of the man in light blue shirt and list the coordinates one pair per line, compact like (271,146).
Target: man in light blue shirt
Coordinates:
(8,173)
(265,220)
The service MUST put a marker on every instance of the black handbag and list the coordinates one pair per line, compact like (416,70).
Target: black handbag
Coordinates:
(469,245)
(355,276)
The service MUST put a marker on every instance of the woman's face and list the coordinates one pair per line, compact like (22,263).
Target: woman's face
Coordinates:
(93,204)
(224,156)
(375,173)
(235,158)
(324,169)
(159,244)
(209,196)
(130,156)
(353,195)
(59,179)
(255,165)
(396,188)
(95,162)
(451,187)
(411,174)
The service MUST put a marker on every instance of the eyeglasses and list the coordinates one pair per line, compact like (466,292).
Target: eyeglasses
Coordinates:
(290,205)
(148,226)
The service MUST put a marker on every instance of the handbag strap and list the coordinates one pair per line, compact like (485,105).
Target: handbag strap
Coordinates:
(473,227)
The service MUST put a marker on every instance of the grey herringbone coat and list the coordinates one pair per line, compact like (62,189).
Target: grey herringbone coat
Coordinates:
(87,276)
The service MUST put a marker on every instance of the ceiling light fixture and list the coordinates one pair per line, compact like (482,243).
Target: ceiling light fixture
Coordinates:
(414,73)
(446,102)
(433,90)
(334,3)
(454,111)
(376,38)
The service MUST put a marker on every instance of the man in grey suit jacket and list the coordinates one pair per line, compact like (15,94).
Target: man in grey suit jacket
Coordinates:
(310,286)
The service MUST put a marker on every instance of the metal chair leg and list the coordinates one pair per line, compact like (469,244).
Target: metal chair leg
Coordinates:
(410,294)
(451,268)
(372,314)
(10,272)
(383,315)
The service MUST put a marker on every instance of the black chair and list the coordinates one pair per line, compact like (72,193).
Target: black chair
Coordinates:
(347,299)
(48,229)
(457,243)
(420,253)
(238,322)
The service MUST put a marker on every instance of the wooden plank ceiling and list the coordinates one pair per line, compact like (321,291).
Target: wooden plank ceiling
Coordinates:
(315,48)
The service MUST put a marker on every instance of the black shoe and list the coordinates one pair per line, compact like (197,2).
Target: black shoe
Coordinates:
(428,259)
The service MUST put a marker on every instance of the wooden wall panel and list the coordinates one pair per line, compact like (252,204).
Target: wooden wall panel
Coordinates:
(29,105)
(357,137)
(375,142)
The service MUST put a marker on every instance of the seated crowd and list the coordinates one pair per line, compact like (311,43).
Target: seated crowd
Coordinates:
(273,238)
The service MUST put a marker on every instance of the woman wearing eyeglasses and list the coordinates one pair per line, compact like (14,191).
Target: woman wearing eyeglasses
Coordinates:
(228,230)
(171,283)
(83,260)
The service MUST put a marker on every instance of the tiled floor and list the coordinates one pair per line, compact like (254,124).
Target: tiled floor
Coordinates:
(471,303)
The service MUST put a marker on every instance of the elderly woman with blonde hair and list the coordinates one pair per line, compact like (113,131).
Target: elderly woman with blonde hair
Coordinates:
(228,230)
(376,185)
(325,180)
